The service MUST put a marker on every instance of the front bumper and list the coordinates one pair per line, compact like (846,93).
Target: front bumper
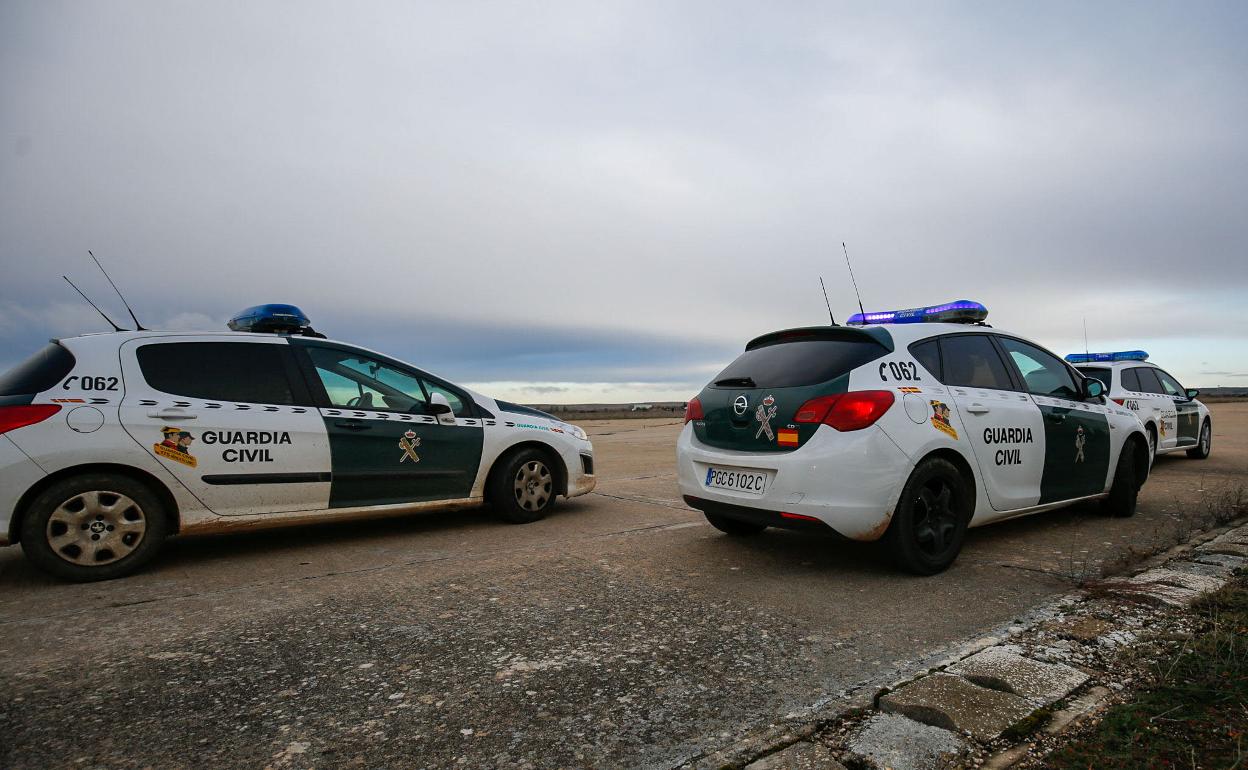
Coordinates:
(848,481)
(579,462)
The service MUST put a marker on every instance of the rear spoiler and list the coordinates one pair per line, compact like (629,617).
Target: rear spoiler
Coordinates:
(837,333)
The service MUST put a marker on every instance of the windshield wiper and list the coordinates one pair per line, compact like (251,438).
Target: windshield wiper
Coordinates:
(740,382)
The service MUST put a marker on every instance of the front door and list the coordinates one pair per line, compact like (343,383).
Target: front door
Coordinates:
(1076,433)
(387,447)
(1187,411)
(1160,405)
(232,421)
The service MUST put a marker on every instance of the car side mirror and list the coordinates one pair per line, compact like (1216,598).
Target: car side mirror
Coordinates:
(1192,393)
(1093,388)
(441,408)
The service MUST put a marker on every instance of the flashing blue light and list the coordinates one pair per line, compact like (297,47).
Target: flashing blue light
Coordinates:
(962,311)
(270,319)
(1122,355)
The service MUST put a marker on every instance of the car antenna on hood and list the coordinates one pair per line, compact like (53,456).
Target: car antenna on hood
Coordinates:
(137,326)
(116,328)
(825,300)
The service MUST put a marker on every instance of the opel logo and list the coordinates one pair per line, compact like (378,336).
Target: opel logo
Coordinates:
(740,405)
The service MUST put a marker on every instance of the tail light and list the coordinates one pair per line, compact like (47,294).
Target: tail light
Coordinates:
(14,417)
(693,411)
(1120,401)
(846,411)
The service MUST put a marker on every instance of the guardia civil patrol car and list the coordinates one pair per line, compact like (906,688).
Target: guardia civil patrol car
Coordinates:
(1172,417)
(111,442)
(906,425)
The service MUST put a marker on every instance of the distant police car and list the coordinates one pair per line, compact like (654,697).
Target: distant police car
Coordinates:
(908,425)
(111,442)
(1172,416)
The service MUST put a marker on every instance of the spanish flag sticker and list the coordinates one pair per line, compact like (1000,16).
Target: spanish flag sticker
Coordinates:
(786,437)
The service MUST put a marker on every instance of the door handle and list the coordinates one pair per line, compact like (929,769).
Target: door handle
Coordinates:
(171,414)
(352,425)
(978,409)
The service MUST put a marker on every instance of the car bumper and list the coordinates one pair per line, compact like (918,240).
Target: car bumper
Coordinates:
(17,474)
(848,482)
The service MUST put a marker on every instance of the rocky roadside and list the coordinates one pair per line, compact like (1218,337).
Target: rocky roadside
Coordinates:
(1006,700)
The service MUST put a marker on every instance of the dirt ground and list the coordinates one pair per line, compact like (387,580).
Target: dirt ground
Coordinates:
(620,631)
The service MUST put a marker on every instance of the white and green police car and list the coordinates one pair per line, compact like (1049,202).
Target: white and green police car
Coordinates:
(1172,416)
(111,442)
(906,425)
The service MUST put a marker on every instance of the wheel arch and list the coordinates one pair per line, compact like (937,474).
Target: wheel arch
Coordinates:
(964,467)
(557,464)
(157,486)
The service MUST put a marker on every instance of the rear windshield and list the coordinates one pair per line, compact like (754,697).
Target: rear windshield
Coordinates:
(37,373)
(1098,373)
(798,363)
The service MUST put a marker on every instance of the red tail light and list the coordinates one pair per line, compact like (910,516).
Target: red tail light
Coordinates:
(693,411)
(847,411)
(14,417)
(1120,401)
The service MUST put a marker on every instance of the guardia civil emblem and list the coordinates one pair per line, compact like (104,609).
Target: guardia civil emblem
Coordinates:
(1079,442)
(408,444)
(765,413)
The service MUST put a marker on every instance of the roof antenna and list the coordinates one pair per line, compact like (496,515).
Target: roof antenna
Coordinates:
(851,277)
(825,300)
(1085,335)
(116,328)
(137,326)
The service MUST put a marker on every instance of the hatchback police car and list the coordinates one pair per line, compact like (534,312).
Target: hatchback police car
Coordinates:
(111,442)
(906,425)
(1172,416)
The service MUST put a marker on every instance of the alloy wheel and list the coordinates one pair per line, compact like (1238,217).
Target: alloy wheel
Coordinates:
(96,528)
(533,485)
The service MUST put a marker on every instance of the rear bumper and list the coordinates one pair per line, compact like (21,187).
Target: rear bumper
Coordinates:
(848,482)
(17,474)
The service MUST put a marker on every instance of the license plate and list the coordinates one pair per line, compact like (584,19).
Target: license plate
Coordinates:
(737,480)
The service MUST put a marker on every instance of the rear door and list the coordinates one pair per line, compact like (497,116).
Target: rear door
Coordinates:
(387,448)
(1077,435)
(751,404)
(231,420)
(1005,427)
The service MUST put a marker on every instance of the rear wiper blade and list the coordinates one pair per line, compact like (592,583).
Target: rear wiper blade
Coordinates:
(741,382)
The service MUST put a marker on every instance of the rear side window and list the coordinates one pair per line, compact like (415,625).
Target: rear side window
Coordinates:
(1148,380)
(798,363)
(37,373)
(927,353)
(220,371)
(1131,380)
(1098,373)
(972,361)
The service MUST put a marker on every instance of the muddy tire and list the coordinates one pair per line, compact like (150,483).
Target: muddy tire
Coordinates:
(734,527)
(929,523)
(1203,444)
(1126,486)
(523,486)
(94,527)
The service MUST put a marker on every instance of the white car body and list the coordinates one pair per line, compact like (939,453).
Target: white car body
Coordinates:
(1174,420)
(266,463)
(1014,446)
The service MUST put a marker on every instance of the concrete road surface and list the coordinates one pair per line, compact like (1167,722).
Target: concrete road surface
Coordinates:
(622,631)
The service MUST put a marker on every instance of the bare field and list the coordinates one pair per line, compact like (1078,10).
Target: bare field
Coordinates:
(620,631)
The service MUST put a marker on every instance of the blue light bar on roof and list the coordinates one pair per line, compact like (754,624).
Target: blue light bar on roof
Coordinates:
(1122,355)
(962,311)
(273,319)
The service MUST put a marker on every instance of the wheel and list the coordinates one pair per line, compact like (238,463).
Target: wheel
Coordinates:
(734,527)
(1126,486)
(1201,450)
(929,523)
(94,527)
(523,487)
(1152,442)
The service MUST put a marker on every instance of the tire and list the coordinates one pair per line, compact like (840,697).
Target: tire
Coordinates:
(523,487)
(930,520)
(1152,442)
(97,526)
(1126,487)
(734,527)
(1204,444)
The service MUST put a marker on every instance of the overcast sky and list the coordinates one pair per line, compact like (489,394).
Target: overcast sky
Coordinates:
(603,202)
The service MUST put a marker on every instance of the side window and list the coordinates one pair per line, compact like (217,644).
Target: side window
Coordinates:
(360,382)
(1170,385)
(927,353)
(1130,380)
(1043,373)
(245,372)
(970,360)
(1148,380)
